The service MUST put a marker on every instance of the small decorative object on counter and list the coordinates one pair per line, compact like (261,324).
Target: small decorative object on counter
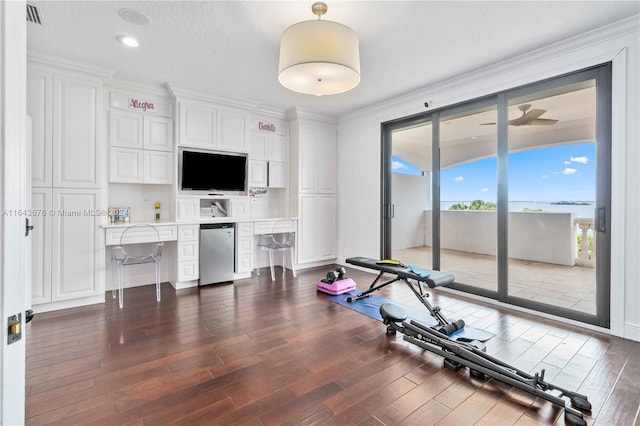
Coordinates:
(157,211)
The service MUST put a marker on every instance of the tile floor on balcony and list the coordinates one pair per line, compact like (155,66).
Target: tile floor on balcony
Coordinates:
(570,287)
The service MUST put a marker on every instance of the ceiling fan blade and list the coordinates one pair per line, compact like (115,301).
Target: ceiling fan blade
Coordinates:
(543,122)
(527,117)
(487,124)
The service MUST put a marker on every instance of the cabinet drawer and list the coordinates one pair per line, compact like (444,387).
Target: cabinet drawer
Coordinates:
(141,234)
(188,250)
(267,227)
(188,271)
(244,228)
(244,244)
(244,262)
(188,232)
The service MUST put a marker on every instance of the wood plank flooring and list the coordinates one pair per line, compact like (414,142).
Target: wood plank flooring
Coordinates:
(258,352)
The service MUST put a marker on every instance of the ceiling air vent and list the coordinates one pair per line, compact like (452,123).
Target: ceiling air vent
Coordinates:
(33,15)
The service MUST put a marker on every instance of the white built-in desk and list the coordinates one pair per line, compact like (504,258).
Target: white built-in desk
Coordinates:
(182,258)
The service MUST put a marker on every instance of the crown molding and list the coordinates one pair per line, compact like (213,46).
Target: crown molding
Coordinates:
(508,67)
(230,101)
(298,113)
(121,84)
(67,65)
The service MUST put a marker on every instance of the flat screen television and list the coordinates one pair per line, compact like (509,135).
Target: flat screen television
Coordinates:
(216,173)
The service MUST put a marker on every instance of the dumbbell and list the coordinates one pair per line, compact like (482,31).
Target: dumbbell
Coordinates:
(336,275)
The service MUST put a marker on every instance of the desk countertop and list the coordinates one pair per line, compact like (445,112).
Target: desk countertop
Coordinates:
(195,221)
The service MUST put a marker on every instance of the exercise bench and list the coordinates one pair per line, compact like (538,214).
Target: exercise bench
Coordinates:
(415,282)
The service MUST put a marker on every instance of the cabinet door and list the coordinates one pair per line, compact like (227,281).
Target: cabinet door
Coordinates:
(277,148)
(158,167)
(257,173)
(240,208)
(326,227)
(75,244)
(197,126)
(258,148)
(232,130)
(307,170)
(126,165)
(41,246)
(188,208)
(125,129)
(308,233)
(316,239)
(277,174)
(76,159)
(158,133)
(326,160)
(39,108)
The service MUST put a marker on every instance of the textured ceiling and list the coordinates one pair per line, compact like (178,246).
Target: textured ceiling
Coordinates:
(230,48)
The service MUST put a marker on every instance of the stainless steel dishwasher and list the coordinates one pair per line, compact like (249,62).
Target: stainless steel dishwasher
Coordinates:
(217,247)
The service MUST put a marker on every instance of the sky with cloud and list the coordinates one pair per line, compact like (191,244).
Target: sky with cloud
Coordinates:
(559,173)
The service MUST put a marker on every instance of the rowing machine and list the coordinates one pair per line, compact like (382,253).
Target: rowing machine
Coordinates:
(458,354)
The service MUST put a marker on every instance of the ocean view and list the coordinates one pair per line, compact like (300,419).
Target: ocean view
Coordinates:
(584,211)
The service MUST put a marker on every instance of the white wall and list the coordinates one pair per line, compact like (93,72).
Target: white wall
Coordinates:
(359,149)
(410,193)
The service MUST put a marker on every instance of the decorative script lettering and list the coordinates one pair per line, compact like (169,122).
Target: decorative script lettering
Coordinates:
(270,127)
(141,105)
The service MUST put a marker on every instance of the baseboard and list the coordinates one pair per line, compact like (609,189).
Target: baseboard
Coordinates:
(632,332)
(66,304)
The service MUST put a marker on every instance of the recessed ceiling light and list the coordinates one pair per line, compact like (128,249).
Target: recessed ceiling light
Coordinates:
(134,16)
(128,41)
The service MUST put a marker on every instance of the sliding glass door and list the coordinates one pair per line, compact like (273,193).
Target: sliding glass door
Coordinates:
(511,194)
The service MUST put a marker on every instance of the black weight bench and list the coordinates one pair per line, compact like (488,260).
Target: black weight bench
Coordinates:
(415,282)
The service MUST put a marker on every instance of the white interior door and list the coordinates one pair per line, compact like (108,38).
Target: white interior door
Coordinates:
(15,192)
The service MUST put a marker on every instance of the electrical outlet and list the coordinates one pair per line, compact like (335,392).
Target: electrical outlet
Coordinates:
(14,328)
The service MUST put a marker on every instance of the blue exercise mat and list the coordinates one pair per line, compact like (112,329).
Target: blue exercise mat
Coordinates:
(370,306)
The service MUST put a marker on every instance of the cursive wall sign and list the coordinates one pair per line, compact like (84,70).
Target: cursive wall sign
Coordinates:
(138,105)
(269,127)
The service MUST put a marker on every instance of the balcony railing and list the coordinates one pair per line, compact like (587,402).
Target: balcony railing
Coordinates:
(556,238)
(586,242)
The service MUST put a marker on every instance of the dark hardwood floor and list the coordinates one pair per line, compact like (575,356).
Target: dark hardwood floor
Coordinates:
(258,352)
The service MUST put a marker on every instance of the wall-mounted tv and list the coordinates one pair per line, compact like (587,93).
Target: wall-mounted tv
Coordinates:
(216,173)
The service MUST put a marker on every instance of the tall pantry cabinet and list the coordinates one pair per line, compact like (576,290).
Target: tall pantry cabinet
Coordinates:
(64,102)
(313,185)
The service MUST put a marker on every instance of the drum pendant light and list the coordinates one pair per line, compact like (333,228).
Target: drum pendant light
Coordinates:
(319,57)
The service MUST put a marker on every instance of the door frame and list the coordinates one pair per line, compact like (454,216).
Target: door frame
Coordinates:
(602,73)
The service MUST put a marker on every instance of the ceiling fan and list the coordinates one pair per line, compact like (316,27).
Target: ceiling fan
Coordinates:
(529,117)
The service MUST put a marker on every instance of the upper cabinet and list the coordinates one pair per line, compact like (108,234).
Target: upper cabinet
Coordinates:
(316,147)
(65,112)
(140,139)
(269,153)
(213,127)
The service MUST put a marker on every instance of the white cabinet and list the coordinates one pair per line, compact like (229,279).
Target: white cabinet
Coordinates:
(65,119)
(141,148)
(268,166)
(188,252)
(188,208)
(158,167)
(212,127)
(64,258)
(317,149)
(244,247)
(40,109)
(125,129)
(74,231)
(313,187)
(316,239)
(126,165)
(67,145)
(158,133)
(258,173)
(41,245)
